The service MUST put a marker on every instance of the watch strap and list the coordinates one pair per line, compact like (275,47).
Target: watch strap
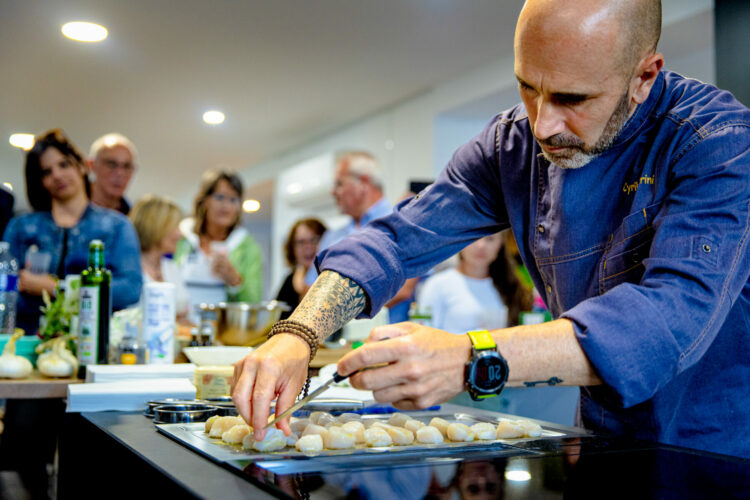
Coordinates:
(481,340)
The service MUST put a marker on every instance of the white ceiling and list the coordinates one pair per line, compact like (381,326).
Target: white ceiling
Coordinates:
(283,71)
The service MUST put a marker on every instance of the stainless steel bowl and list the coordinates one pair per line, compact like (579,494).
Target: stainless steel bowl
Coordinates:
(243,323)
(183,413)
(149,412)
(224,404)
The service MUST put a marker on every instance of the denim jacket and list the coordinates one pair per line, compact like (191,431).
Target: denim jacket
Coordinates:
(646,250)
(122,254)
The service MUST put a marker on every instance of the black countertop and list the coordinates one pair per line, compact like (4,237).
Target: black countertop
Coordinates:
(126,450)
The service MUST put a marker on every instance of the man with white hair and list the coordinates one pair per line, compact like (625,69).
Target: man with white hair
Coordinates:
(358,191)
(112,161)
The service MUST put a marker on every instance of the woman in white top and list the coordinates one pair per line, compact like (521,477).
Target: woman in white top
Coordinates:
(483,292)
(156,221)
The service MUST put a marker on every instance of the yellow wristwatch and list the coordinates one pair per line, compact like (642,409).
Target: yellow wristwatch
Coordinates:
(486,371)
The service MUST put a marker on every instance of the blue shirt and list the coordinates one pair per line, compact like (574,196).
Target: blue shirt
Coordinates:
(122,254)
(646,250)
(379,209)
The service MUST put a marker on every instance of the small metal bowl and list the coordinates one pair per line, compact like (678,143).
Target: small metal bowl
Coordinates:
(225,405)
(183,413)
(149,412)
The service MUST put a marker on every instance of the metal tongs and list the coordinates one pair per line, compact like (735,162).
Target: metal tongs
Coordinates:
(302,402)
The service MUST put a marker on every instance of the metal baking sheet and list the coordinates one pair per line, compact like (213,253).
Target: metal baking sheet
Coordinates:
(194,437)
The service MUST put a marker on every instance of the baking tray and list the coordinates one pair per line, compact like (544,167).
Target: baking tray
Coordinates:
(192,436)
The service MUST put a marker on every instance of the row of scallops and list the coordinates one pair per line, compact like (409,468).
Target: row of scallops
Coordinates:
(325,431)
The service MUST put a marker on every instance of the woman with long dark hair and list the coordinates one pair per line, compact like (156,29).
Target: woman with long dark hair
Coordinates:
(61,226)
(300,248)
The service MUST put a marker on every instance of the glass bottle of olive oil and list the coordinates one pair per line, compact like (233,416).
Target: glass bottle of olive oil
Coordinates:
(95,308)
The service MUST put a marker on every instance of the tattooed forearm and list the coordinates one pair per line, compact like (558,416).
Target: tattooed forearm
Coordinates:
(550,381)
(332,301)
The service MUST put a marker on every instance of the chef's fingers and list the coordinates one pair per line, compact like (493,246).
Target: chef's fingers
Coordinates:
(390,331)
(403,372)
(414,396)
(285,400)
(375,353)
(263,392)
(242,387)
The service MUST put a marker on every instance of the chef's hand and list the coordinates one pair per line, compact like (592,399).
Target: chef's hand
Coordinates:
(426,365)
(276,368)
(224,269)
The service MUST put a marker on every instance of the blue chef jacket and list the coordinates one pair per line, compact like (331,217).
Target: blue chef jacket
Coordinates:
(646,250)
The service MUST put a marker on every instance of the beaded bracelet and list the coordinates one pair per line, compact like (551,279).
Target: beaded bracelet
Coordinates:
(305,333)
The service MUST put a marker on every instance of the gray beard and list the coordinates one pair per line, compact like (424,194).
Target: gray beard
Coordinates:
(578,155)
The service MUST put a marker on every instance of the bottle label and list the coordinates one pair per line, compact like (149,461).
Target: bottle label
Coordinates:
(88,320)
(8,283)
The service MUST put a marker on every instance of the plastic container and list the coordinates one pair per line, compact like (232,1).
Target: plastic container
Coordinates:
(8,289)
(159,321)
(25,346)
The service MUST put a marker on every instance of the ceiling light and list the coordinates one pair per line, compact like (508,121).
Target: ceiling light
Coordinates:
(23,141)
(250,206)
(213,117)
(9,186)
(84,32)
(517,475)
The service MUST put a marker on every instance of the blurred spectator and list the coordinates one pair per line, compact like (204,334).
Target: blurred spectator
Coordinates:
(358,191)
(62,225)
(300,248)
(218,258)
(6,208)
(482,292)
(112,161)
(156,221)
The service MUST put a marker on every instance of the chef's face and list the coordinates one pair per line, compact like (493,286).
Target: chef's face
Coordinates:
(223,205)
(62,176)
(576,92)
(113,168)
(483,251)
(305,245)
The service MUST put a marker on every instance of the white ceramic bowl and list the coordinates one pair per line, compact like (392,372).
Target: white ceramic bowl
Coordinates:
(216,355)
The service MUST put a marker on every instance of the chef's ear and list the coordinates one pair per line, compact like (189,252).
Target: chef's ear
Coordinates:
(645,76)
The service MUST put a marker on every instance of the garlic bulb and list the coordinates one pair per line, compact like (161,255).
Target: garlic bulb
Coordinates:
(59,361)
(12,366)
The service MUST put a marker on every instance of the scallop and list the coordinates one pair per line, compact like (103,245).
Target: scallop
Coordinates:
(377,436)
(508,429)
(441,425)
(314,429)
(312,443)
(398,419)
(530,428)
(337,438)
(356,428)
(399,435)
(429,435)
(460,432)
(347,417)
(223,424)
(210,422)
(298,425)
(236,434)
(413,425)
(326,420)
(273,441)
(484,431)
(315,416)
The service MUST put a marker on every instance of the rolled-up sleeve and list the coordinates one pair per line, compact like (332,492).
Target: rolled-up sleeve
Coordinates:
(464,204)
(639,336)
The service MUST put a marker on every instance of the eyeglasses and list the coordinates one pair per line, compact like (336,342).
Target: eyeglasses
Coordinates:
(220,198)
(309,241)
(113,165)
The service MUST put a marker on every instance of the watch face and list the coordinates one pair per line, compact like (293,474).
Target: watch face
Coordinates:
(489,372)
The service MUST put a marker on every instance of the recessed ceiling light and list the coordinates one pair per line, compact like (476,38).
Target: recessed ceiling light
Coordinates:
(23,141)
(84,32)
(213,117)
(517,475)
(251,206)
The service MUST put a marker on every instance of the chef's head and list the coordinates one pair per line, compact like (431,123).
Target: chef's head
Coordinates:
(583,66)
(358,183)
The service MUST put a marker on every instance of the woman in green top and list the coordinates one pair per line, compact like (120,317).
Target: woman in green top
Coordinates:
(219,260)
